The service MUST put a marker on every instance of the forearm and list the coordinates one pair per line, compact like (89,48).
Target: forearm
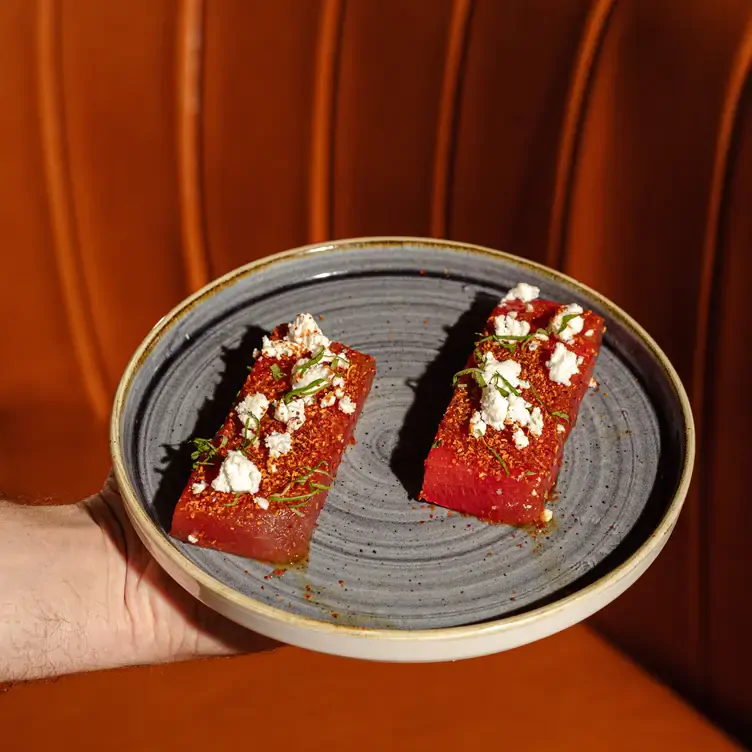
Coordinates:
(58,593)
(78,592)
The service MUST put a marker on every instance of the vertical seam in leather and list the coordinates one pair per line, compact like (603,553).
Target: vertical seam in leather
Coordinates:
(446,131)
(326,68)
(594,32)
(66,242)
(189,96)
(740,72)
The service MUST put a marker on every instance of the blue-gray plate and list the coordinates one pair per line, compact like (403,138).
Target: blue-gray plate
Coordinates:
(388,577)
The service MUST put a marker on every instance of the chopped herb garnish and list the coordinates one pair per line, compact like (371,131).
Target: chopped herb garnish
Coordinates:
(529,472)
(206,451)
(255,434)
(495,454)
(510,387)
(277,372)
(477,374)
(563,416)
(303,367)
(436,444)
(302,480)
(233,502)
(566,320)
(538,397)
(336,360)
(308,390)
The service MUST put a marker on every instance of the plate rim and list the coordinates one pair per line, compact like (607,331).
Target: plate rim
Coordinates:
(159,544)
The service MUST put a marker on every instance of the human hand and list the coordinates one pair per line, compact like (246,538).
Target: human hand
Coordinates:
(79,591)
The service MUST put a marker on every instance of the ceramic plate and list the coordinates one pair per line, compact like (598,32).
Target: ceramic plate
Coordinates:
(388,577)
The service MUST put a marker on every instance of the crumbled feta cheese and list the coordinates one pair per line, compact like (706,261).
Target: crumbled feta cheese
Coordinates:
(338,381)
(529,307)
(589,333)
(292,413)
(536,422)
(301,379)
(254,405)
(493,408)
(562,365)
(237,474)
(278,348)
(541,336)
(533,345)
(498,492)
(499,405)
(508,325)
(303,335)
(518,410)
(328,401)
(477,425)
(520,440)
(560,427)
(347,405)
(574,325)
(593,384)
(339,393)
(546,515)
(523,292)
(306,332)
(192,538)
(534,493)
(580,359)
(197,488)
(261,502)
(278,444)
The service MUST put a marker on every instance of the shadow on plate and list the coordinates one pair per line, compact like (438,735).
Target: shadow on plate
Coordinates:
(177,463)
(433,391)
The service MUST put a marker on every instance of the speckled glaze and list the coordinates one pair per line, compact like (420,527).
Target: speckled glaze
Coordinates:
(388,577)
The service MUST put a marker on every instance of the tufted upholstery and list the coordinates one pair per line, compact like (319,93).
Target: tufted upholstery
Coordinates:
(150,145)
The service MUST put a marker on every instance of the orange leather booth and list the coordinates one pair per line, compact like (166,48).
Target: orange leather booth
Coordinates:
(151,145)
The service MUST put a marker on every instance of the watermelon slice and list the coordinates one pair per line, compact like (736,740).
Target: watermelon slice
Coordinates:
(258,486)
(500,443)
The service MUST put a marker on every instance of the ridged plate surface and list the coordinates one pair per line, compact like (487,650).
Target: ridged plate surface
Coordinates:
(379,558)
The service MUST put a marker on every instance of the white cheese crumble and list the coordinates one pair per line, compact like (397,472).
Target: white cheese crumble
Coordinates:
(536,422)
(546,515)
(520,440)
(338,381)
(339,393)
(574,325)
(501,403)
(328,401)
(254,405)
(301,379)
(560,428)
(237,474)
(197,488)
(532,345)
(529,307)
(292,413)
(303,335)
(523,292)
(346,405)
(562,365)
(192,538)
(589,333)
(534,493)
(477,425)
(278,444)
(593,384)
(261,502)
(508,325)
(306,332)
